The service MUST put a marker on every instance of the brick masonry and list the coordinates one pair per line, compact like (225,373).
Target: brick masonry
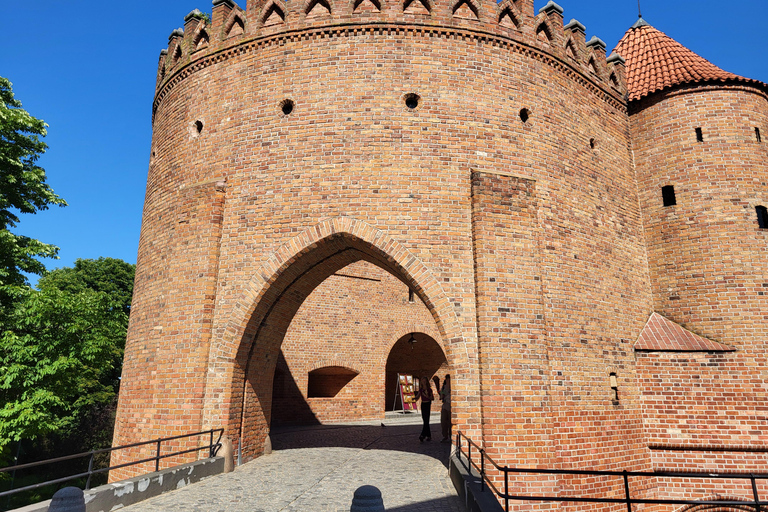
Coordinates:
(519,200)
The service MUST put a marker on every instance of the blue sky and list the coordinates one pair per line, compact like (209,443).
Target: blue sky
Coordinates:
(88,70)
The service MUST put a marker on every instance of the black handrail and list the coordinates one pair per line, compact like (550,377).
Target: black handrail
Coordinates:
(212,448)
(625,475)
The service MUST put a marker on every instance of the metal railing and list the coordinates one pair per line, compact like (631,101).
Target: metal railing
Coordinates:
(473,451)
(212,448)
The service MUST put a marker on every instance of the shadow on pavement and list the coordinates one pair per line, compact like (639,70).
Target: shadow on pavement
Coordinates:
(442,504)
(403,438)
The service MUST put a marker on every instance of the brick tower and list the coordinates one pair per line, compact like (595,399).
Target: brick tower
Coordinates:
(329,177)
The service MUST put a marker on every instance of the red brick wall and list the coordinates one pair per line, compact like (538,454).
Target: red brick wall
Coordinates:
(352,175)
(709,273)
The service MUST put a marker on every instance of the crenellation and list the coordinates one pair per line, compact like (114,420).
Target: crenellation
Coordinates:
(554,14)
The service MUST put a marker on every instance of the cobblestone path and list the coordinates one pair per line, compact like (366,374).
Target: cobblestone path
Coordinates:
(318,469)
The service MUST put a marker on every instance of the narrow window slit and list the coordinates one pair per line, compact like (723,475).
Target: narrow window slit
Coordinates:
(762,217)
(757,134)
(699,135)
(410,295)
(668,195)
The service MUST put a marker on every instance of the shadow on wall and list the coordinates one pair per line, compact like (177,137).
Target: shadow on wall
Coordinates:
(421,357)
(289,407)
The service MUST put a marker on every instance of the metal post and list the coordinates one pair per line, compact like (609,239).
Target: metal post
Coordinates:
(469,456)
(210,446)
(754,491)
(157,456)
(506,488)
(626,491)
(482,470)
(90,470)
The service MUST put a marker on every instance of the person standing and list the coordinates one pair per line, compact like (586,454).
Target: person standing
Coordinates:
(445,411)
(425,394)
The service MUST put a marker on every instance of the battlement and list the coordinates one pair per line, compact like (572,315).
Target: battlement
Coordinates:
(511,21)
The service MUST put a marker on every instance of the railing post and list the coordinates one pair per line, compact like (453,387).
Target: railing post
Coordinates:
(210,446)
(90,472)
(482,470)
(626,491)
(157,455)
(754,491)
(469,456)
(506,488)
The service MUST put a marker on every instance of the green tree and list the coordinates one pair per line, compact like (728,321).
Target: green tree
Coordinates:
(109,275)
(60,356)
(22,190)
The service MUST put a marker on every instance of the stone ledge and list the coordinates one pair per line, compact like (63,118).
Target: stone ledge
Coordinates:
(127,492)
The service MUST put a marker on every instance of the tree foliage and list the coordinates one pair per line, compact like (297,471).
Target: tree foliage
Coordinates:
(109,275)
(60,355)
(23,189)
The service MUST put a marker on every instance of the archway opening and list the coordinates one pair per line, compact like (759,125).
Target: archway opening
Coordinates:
(416,354)
(331,366)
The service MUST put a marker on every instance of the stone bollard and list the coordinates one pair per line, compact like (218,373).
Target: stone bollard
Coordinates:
(367,499)
(228,452)
(68,499)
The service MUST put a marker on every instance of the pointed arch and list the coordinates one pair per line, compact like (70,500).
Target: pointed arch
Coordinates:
(366,5)
(570,49)
(273,14)
(201,38)
(178,53)
(465,9)
(267,303)
(592,66)
(614,80)
(543,33)
(235,24)
(317,8)
(508,19)
(509,14)
(417,7)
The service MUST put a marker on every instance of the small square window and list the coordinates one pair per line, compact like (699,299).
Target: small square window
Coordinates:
(668,195)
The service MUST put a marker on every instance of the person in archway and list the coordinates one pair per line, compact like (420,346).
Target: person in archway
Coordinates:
(445,411)
(425,394)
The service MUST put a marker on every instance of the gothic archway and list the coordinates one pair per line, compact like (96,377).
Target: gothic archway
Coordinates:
(243,358)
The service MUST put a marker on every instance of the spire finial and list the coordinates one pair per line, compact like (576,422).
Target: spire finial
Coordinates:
(639,12)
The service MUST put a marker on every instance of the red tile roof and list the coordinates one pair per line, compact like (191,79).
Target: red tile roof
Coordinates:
(655,61)
(661,334)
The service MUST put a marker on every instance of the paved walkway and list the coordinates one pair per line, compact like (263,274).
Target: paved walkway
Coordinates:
(318,469)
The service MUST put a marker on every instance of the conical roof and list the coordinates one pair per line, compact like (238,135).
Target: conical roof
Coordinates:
(655,61)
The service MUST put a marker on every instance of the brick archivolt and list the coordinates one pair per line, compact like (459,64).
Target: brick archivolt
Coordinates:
(510,24)
(346,234)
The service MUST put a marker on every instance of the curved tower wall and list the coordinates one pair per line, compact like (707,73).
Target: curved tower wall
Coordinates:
(709,271)
(528,231)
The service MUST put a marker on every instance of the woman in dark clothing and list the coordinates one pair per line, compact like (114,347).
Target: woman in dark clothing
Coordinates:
(425,394)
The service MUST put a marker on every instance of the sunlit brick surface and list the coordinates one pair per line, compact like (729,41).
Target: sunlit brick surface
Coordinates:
(484,158)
